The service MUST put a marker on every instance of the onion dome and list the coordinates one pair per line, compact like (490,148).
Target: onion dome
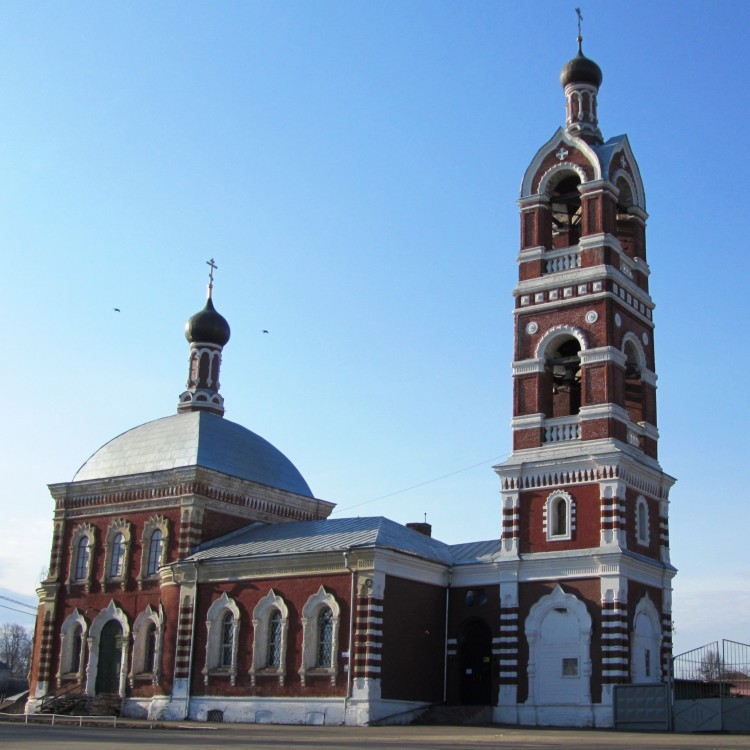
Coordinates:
(207,326)
(581,70)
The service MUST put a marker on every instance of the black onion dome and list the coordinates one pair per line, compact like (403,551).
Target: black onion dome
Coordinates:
(207,326)
(581,70)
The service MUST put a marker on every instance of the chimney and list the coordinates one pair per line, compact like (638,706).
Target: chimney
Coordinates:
(420,526)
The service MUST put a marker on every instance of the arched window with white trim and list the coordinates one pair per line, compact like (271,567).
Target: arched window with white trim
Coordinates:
(559,515)
(642,534)
(147,646)
(223,626)
(81,556)
(270,628)
(154,543)
(320,636)
(72,645)
(117,553)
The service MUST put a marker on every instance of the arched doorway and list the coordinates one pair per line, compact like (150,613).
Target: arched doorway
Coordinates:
(110,658)
(475,661)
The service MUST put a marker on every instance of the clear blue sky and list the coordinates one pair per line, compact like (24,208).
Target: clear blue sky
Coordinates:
(353,167)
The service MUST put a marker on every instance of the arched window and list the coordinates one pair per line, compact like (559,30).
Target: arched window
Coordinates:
(147,635)
(154,542)
(223,624)
(82,559)
(563,364)
(270,624)
(117,552)
(565,207)
(155,549)
(320,636)
(641,521)
(118,555)
(77,643)
(227,640)
(325,638)
(632,383)
(150,654)
(560,516)
(274,640)
(72,646)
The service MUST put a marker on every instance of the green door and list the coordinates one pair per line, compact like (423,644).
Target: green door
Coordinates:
(110,657)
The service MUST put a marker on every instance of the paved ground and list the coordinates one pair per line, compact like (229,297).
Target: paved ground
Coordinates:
(268,737)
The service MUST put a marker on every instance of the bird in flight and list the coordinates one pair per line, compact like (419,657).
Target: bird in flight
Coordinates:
(265,331)
(116,309)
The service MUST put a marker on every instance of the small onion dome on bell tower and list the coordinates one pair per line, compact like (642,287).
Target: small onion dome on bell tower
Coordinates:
(207,326)
(207,332)
(581,79)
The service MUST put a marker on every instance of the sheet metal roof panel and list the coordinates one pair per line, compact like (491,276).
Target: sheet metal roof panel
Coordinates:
(195,439)
(323,536)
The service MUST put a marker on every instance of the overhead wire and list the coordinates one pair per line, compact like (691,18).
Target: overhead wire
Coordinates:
(422,484)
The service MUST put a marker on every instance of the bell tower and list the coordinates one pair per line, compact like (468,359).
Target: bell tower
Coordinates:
(584,499)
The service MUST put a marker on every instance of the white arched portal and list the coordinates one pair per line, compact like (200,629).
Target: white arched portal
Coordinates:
(645,645)
(112,612)
(558,630)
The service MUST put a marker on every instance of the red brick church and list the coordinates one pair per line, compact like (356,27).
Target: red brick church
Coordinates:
(193,573)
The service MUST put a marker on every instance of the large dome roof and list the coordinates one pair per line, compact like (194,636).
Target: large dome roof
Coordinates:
(195,439)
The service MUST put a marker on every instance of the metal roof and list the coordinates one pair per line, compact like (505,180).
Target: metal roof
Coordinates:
(339,534)
(329,535)
(195,439)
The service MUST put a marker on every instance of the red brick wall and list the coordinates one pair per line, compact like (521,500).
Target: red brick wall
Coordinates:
(413,641)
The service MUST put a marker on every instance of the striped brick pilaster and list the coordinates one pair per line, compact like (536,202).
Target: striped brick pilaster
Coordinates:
(190,530)
(184,634)
(45,649)
(505,648)
(55,555)
(663,533)
(666,643)
(368,637)
(615,647)
(612,520)
(510,525)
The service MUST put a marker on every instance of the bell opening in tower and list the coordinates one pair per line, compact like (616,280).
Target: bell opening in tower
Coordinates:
(563,381)
(565,206)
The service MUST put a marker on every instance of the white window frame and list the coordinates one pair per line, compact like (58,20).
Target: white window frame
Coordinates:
(262,614)
(214,639)
(120,526)
(74,621)
(140,645)
(88,531)
(550,515)
(310,613)
(153,523)
(642,534)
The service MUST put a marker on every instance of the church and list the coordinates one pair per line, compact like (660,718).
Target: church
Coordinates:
(194,574)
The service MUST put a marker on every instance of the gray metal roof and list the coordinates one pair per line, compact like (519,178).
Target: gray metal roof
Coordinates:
(329,535)
(195,439)
(339,534)
(473,552)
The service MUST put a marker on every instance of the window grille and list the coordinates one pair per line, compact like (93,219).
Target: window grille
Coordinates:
(274,640)
(325,638)
(227,637)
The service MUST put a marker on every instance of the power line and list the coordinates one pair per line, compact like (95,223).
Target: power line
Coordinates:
(422,484)
(20,604)
(20,611)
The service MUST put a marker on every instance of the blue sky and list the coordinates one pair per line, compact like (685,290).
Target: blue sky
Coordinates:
(354,167)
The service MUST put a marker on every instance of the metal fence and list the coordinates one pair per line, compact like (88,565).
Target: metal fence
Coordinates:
(712,688)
